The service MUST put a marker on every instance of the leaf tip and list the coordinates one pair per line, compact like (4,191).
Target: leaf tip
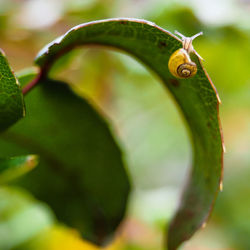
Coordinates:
(32,161)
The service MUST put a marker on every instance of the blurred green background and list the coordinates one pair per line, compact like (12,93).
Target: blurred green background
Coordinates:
(143,115)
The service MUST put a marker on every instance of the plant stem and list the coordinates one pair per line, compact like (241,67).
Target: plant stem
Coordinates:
(33,83)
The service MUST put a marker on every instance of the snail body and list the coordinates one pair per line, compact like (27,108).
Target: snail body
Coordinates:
(180,65)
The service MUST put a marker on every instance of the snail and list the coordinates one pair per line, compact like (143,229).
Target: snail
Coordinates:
(180,64)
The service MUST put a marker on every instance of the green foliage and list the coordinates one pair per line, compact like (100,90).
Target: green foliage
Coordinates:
(196,97)
(81,174)
(11,99)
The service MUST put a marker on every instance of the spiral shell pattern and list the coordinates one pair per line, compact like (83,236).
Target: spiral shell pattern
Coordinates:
(186,70)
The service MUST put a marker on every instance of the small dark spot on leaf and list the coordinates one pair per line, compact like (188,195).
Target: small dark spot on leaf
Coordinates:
(175,82)
(123,22)
(162,44)
(209,124)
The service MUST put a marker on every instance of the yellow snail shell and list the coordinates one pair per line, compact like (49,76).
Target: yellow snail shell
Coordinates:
(180,64)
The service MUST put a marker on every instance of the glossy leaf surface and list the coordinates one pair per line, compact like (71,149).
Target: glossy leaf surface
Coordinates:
(11,99)
(196,98)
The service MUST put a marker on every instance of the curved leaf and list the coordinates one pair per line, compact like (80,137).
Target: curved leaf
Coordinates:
(196,97)
(11,98)
(14,167)
(81,174)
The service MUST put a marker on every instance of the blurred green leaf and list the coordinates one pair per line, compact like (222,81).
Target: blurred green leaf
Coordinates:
(223,46)
(90,9)
(16,166)
(233,207)
(196,97)
(81,175)
(21,217)
(177,17)
(11,99)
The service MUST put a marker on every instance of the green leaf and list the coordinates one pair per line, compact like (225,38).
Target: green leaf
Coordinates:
(81,175)
(196,98)
(11,99)
(16,166)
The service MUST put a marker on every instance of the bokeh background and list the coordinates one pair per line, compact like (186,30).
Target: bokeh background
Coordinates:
(143,115)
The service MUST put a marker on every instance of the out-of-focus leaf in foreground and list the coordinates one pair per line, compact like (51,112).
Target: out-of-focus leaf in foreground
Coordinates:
(11,99)
(196,97)
(14,167)
(59,237)
(21,217)
(81,174)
